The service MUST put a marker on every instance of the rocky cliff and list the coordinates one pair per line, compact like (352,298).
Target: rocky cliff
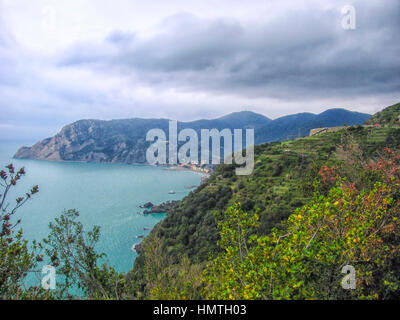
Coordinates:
(124,141)
(117,141)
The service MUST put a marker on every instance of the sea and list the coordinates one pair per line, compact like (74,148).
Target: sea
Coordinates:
(107,195)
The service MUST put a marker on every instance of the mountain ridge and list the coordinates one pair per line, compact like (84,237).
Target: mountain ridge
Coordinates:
(123,140)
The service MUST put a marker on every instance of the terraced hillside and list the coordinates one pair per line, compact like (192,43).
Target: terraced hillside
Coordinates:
(281,181)
(389,117)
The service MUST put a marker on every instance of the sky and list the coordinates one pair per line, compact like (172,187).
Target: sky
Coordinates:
(61,61)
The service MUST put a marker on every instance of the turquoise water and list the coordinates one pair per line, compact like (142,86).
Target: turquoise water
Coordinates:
(108,195)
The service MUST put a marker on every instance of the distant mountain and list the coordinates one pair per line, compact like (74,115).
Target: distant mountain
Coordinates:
(299,125)
(124,141)
(237,119)
(389,116)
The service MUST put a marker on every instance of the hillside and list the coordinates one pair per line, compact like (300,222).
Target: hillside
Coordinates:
(123,141)
(299,125)
(389,116)
(281,181)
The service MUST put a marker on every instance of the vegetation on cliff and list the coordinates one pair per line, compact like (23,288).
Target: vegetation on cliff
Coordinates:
(348,228)
(310,207)
(283,180)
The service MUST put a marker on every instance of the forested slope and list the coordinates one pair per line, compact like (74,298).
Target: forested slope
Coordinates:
(282,180)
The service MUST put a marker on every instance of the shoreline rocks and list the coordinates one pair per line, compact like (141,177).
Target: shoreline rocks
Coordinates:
(163,207)
(138,248)
(147,205)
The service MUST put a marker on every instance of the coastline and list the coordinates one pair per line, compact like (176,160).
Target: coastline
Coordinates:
(137,247)
(167,167)
(126,195)
(205,175)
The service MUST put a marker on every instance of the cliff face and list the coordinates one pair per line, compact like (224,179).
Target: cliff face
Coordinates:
(43,150)
(118,141)
(121,141)
(124,141)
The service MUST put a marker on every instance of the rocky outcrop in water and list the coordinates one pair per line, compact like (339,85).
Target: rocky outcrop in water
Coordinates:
(163,207)
(147,205)
(138,248)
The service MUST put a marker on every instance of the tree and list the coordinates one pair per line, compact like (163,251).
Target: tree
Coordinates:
(230,274)
(347,226)
(72,250)
(168,281)
(69,248)
(18,257)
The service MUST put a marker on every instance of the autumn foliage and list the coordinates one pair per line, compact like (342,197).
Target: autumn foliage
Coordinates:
(347,226)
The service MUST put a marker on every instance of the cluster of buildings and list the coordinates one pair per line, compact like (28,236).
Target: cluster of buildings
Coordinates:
(205,168)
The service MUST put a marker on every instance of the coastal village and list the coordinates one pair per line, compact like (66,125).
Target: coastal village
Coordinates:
(202,168)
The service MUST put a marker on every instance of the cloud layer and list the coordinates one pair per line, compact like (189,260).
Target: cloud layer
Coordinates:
(190,65)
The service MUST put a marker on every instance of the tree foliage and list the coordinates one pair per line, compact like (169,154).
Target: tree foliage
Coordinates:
(168,281)
(72,250)
(18,257)
(347,226)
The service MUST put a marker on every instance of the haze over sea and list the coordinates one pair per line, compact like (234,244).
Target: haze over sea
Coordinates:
(108,195)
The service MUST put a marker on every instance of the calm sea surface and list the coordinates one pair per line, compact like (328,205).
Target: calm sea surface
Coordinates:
(108,195)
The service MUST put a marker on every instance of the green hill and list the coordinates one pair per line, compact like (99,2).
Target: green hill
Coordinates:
(282,180)
(299,125)
(389,116)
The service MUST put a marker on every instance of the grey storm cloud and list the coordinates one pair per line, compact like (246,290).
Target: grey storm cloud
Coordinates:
(301,53)
(195,65)
(30,101)
(8,52)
